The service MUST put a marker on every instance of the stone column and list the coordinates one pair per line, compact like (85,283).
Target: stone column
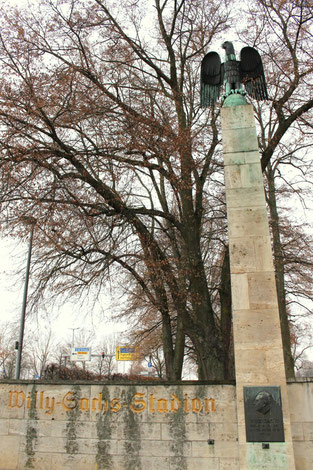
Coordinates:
(257,336)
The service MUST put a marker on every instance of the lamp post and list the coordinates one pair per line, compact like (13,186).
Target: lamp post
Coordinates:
(32,222)
(73,336)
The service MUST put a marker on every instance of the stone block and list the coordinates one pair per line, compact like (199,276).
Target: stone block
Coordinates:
(244,176)
(263,254)
(247,222)
(248,377)
(254,291)
(43,428)
(91,446)
(82,429)
(9,447)
(17,427)
(244,197)
(196,431)
(49,444)
(265,361)
(240,292)
(255,327)
(303,455)
(226,431)
(279,456)
(218,449)
(251,360)
(144,448)
(241,158)
(301,402)
(147,431)
(237,117)
(276,457)
(144,463)
(172,432)
(262,291)
(239,140)
(195,463)
(229,464)
(4,427)
(297,432)
(275,364)
(36,462)
(71,462)
(250,254)
(242,426)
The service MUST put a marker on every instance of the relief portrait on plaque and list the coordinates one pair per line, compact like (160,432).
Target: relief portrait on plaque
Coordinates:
(263,414)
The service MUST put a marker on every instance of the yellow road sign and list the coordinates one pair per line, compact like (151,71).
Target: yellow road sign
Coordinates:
(126,353)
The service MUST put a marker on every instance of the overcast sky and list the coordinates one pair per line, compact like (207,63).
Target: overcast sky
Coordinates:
(62,319)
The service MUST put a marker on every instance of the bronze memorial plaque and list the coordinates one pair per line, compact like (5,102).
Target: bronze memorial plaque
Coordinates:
(263,414)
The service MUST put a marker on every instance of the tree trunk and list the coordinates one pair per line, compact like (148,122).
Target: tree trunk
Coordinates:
(202,329)
(279,274)
(167,345)
(210,359)
(226,317)
(179,351)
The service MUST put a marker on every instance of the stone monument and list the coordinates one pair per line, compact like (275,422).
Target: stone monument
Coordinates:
(264,433)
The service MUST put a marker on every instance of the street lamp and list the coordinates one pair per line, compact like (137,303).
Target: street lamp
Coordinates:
(73,329)
(73,345)
(32,222)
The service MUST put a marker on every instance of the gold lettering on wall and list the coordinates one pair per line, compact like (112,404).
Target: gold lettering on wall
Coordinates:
(16,399)
(196,405)
(69,401)
(138,404)
(84,404)
(175,403)
(30,398)
(151,403)
(96,403)
(209,405)
(50,405)
(162,405)
(186,405)
(115,405)
(41,400)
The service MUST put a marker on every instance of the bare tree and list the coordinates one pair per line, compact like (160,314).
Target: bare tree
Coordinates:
(105,145)
(7,349)
(105,364)
(40,350)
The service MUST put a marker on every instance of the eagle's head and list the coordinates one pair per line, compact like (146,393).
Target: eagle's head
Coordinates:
(229,48)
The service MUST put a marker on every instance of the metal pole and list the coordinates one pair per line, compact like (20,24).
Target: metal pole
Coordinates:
(73,337)
(73,329)
(22,323)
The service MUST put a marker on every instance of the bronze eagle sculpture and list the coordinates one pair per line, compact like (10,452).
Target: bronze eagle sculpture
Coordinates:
(232,73)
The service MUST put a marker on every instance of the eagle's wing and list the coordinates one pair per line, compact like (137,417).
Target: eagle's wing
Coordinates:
(211,79)
(252,73)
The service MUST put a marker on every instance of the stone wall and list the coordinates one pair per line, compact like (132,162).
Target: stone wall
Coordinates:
(133,427)
(301,415)
(125,427)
